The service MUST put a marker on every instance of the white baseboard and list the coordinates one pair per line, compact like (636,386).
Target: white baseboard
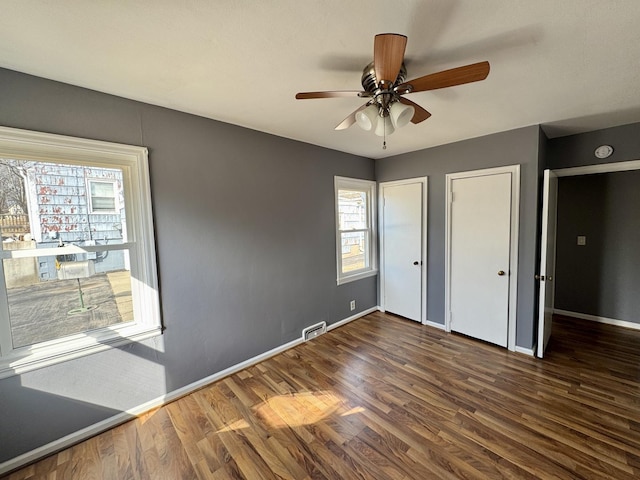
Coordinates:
(426,322)
(435,324)
(134,412)
(596,318)
(352,318)
(122,417)
(527,351)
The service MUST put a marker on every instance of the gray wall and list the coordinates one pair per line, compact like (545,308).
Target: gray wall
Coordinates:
(577,150)
(601,278)
(507,148)
(246,254)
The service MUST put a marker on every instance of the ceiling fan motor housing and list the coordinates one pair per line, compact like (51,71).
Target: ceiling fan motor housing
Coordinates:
(383,98)
(370,82)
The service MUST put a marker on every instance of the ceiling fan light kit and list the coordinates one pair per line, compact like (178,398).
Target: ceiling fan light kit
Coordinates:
(367,118)
(401,114)
(383,82)
(384,127)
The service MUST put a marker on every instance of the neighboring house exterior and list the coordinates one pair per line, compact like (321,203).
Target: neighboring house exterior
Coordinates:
(75,204)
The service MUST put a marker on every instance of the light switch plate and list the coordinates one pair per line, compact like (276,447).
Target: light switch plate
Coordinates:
(582,240)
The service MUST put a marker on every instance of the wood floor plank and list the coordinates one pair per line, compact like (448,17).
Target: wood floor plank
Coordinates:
(385,398)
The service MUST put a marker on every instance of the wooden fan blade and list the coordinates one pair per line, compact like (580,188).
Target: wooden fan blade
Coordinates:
(388,55)
(420,114)
(334,94)
(351,119)
(448,78)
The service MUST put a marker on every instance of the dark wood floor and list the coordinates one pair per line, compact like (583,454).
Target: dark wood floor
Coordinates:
(385,398)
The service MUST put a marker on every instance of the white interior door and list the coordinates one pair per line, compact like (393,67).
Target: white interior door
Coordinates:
(402,259)
(480,239)
(547,259)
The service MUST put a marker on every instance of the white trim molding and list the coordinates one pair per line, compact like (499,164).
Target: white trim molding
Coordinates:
(352,318)
(122,417)
(599,168)
(598,319)
(526,351)
(437,325)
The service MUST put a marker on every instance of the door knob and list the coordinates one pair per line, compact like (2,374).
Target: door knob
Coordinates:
(416,263)
(501,272)
(539,277)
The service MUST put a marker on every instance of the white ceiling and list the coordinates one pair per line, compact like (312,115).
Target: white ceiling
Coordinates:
(571,65)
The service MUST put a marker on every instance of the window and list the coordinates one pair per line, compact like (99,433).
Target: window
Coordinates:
(355,229)
(102,197)
(78,272)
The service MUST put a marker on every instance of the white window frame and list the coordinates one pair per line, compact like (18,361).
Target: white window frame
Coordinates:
(369,188)
(140,244)
(114,187)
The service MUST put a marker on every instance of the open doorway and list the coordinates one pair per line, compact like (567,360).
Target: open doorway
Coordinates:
(594,272)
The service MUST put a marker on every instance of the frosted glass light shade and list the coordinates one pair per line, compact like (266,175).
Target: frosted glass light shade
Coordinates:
(366,119)
(401,114)
(384,126)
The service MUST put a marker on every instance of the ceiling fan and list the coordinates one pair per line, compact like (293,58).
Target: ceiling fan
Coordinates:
(383,82)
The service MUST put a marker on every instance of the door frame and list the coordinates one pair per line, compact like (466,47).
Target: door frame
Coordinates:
(514,170)
(623,166)
(548,229)
(423,248)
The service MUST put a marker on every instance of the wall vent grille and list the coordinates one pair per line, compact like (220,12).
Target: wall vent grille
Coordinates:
(314,330)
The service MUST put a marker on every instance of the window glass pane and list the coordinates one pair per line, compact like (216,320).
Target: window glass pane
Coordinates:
(82,292)
(101,189)
(352,210)
(44,205)
(102,196)
(47,205)
(14,218)
(354,251)
(103,204)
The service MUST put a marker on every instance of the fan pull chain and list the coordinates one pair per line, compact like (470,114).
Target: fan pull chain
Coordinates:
(384,138)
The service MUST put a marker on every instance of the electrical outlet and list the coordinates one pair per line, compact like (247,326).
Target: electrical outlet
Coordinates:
(582,240)
(352,305)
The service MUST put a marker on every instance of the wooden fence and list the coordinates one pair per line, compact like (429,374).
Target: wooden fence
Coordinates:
(14,224)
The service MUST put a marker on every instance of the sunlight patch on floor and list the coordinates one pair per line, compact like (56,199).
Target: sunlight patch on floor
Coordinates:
(296,410)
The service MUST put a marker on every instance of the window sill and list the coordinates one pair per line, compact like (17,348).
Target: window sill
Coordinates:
(25,359)
(357,276)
